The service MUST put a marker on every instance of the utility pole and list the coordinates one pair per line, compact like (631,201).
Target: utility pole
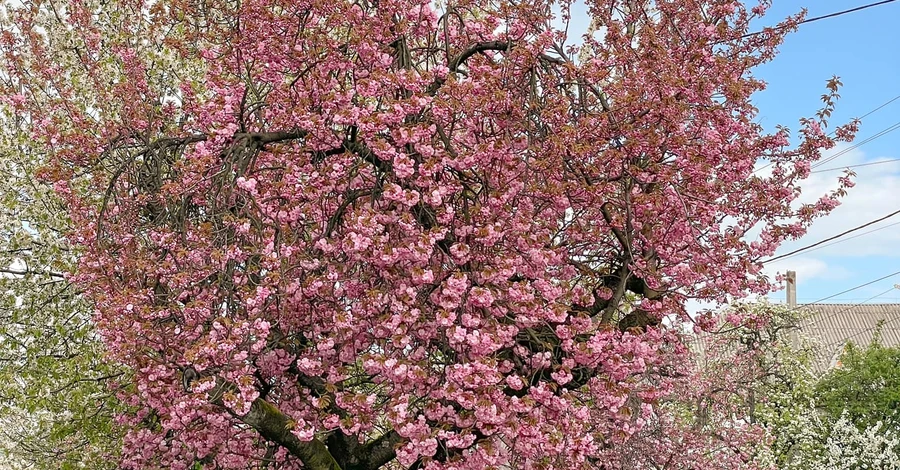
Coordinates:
(791,290)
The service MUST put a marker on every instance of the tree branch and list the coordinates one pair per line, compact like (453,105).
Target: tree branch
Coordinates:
(31,272)
(276,427)
(475,49)
(461,59)
(378,452)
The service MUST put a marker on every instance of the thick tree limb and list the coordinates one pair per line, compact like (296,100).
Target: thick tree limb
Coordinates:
(276,427)
(455,63)
(377,453)
(459,60)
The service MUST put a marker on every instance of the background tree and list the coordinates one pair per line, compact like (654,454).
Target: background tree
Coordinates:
(56,410)
(833,422)
(847,447)
(865,388)
(764,364)
(756,368)
(400,234)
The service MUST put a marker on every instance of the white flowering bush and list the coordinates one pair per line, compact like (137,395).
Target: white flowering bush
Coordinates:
(849,448)
(844,420)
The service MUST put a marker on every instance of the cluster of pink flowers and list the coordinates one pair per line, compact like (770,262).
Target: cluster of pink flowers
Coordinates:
(422,223)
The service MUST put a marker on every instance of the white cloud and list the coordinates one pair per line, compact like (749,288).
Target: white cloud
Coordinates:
(809,269)
(875,195)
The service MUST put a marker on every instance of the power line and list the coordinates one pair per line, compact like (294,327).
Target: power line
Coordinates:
(847,150)
(848,238)
(881,324)
(878,108)
(830,15)
(856,299)
(798,307)
(805,248)
(845,291)
(819,301)
(867,329)
(856,166)
(832,132)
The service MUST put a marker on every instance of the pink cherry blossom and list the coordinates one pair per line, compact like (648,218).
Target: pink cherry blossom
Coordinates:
(412,233)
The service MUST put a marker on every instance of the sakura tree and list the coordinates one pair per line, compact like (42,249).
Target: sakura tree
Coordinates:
(380,234)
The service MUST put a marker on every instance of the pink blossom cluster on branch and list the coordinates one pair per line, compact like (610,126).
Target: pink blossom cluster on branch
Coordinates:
(379,234)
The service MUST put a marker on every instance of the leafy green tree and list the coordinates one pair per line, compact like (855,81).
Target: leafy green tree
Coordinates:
(866,386)
(56,405)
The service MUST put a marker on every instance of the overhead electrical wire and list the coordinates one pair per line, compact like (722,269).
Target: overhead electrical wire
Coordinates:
(859,299)
(881,324)
(845,291)
(835,237)
(844,239)
(865,330)
(842,311)
(830,15)
(855,146)
(842,152)
(880,162)
(839,13)
(845,310)
(819,301)
(883,105)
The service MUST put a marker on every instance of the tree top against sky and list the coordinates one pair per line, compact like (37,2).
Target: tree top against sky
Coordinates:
(399,234)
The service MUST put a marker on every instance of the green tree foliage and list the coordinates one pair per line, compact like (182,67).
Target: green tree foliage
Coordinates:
(866,386)
(56,405)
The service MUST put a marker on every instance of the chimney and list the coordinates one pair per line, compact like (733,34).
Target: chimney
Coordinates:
(791,282)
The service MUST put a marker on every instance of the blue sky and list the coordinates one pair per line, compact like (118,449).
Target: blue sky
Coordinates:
(862,49)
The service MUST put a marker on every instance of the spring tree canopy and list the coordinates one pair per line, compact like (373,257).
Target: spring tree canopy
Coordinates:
(56,408)
(378,234)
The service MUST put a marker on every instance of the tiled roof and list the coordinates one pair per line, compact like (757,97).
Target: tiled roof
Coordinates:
(830,326)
